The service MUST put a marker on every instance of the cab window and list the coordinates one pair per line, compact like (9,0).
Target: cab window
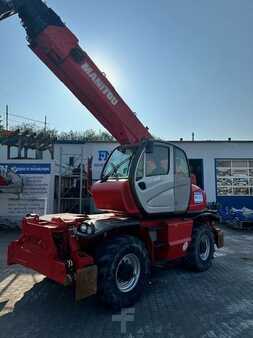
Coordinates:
(181,163)
(158,162)
(140,169)
(118,164)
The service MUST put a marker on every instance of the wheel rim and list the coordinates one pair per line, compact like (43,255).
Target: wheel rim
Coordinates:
(204,248)
(128,272)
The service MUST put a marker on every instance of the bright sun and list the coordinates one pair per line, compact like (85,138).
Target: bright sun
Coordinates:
(106,66)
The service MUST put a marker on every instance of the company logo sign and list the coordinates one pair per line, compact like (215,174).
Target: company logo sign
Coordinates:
(103,155)
(99,83)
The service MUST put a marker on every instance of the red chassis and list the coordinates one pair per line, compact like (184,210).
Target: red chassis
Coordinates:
(53,246)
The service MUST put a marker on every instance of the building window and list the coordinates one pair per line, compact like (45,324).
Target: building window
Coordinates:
(71,161)
(234,177)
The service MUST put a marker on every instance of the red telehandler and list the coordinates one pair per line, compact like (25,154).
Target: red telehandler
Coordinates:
(152,211)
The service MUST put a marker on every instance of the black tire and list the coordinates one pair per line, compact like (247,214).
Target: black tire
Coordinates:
(201,249)
(109,261)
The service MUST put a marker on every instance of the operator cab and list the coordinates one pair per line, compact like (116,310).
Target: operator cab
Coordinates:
(150,178)
(161,179)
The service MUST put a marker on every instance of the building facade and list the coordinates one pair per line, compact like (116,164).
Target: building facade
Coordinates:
(224,169)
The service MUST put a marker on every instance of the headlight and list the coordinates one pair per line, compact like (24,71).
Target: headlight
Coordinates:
(198,197)
(87,228)
(84,228)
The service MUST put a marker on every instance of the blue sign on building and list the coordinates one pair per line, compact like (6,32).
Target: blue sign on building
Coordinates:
(27,168)
(103,155)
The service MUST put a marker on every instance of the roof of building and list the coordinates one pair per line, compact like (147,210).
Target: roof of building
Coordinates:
(170,141)
(81,142)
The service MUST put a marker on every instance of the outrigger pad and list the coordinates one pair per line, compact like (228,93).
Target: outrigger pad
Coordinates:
(86,282)
(6,9)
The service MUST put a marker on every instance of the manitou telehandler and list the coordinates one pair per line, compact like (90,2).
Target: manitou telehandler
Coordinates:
(152,212)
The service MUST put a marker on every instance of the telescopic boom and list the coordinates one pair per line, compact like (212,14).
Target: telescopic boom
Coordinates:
(59,49)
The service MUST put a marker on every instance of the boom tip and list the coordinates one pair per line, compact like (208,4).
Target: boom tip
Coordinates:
(6,9)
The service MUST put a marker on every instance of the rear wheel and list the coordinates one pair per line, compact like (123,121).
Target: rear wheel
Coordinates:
(123,269)
(201,249)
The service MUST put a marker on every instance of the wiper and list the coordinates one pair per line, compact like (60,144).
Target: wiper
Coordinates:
(114,169)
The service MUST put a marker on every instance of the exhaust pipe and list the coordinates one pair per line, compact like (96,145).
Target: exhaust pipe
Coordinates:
(7,9)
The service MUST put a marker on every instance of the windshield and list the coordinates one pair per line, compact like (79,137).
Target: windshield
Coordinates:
(118,164)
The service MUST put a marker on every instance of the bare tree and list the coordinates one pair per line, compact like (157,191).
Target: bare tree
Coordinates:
(89,135)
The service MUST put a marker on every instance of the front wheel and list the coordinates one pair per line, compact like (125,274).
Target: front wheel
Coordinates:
(201,249)
(123,269)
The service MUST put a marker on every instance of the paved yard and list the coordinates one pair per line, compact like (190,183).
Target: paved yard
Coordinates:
(217,303)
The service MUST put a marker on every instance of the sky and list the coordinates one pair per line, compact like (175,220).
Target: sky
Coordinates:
(183,65)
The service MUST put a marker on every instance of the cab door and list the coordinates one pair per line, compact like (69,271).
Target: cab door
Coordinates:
(154,179)
(182,181)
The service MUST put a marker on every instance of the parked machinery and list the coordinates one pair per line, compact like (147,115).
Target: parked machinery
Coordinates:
(152,212)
